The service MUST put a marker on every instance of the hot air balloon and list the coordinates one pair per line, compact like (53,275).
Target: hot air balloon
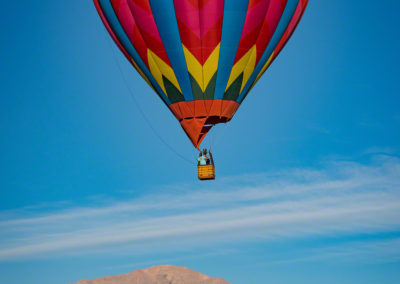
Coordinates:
(202,57)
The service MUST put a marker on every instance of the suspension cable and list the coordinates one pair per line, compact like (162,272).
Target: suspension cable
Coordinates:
(136,103)
(217,138)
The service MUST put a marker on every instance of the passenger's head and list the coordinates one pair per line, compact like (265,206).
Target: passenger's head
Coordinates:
(204,151)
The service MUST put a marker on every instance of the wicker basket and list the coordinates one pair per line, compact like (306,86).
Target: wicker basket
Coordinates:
(206,172)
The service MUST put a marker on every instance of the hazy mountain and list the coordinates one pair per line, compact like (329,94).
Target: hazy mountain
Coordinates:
(163,274)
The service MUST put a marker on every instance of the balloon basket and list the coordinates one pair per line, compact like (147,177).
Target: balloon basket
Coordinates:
(206,172)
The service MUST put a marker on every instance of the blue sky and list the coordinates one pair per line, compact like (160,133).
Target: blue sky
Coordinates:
(308,187)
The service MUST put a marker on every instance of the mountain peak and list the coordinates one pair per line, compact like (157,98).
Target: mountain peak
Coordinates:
(162,274)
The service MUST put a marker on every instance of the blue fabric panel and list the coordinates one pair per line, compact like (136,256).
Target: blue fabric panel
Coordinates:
(280,30)
(123,38)
(165,18)
(235,12)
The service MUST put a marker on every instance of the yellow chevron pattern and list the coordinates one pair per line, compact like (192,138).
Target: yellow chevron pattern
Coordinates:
(202,74)
(245,65)
(251,65)
(211,66)
(159,68)
(194,67)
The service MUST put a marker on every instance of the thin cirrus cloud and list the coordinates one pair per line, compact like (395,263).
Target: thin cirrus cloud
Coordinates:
(336,199)
(366,251)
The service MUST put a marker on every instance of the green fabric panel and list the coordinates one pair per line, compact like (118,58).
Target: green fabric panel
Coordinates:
(173,93)
(234,90)
(197,92)
(210,90)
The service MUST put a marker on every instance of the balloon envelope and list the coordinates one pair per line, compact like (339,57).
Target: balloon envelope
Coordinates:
(202,57)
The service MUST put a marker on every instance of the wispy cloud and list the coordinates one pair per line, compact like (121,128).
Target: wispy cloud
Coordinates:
(367,251)
(337,198)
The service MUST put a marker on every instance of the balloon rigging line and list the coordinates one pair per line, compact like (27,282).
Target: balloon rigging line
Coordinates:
(215,139)
(136,103)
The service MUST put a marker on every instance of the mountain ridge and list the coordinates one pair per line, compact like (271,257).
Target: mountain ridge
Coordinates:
(162,274)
